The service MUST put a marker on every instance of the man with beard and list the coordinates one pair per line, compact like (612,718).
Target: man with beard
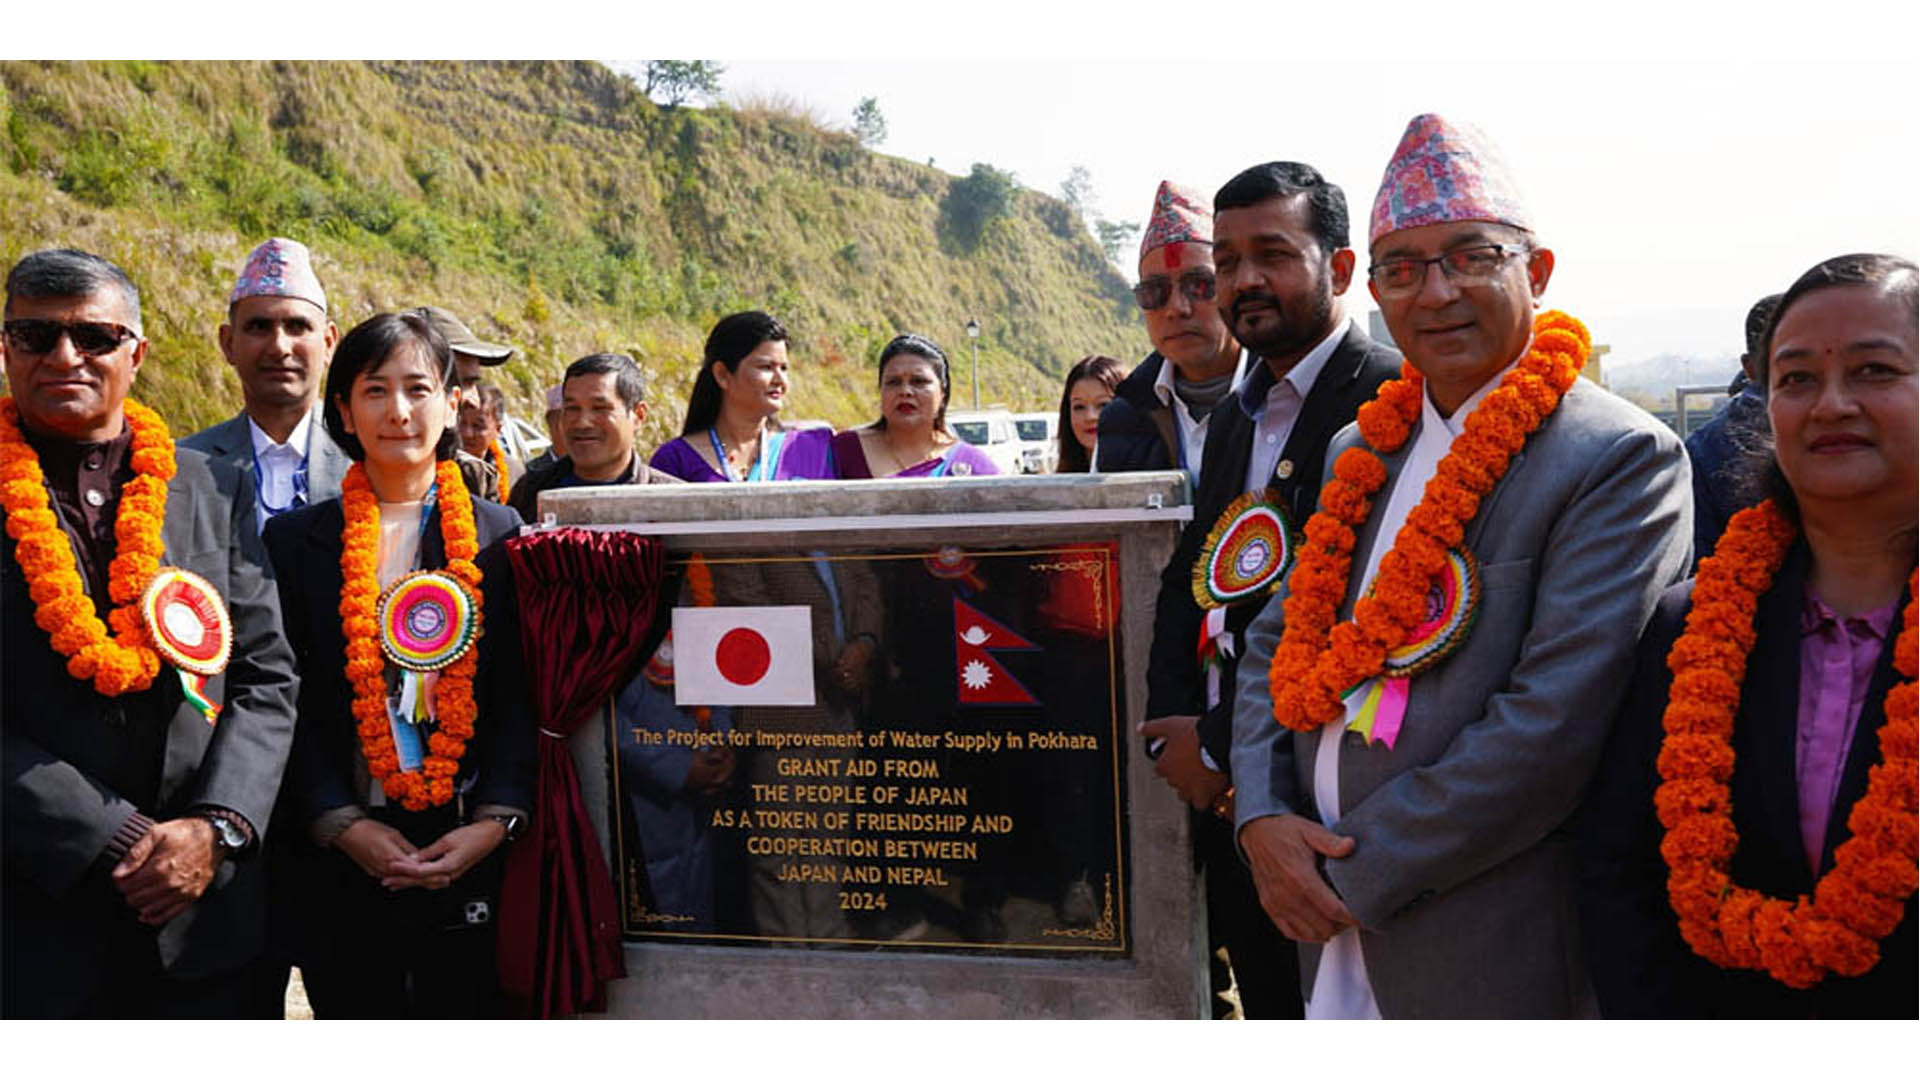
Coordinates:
(1281,262)
(279,340)
(1159,414)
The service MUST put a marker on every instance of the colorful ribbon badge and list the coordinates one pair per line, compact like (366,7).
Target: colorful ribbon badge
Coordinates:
(426,623)
(191,630)
(1246,554)
(1453,599)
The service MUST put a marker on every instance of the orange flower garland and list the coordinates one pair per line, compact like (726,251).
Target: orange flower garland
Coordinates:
(499,457)
(1318,661)
(126,661)
(1862,899)
(454,709)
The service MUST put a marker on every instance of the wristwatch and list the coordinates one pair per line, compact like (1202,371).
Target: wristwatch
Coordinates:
(514,824)
(228,836)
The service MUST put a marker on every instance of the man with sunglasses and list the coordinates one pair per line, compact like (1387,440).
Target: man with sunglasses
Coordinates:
(279,340)
(1159,413)
(1411,833)
(1281,262)
(139,772)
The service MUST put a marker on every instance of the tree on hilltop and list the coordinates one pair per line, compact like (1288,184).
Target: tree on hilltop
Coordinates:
(868,125)
(974,201)
(1077,191)
(681,80)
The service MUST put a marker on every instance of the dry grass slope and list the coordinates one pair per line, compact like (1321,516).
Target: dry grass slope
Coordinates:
(550,204)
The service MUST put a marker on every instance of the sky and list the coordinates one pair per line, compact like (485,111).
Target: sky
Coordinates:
(1674,193)
(1682,158)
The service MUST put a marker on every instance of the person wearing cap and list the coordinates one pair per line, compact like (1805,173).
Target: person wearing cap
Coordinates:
(1158,416)
(604,403)
(1281,262)
(1406,764)
(279,340)
(556,436)
(148,709)
(470,354)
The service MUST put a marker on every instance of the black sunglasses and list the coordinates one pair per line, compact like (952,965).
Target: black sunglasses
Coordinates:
(40,336)
(1154,292)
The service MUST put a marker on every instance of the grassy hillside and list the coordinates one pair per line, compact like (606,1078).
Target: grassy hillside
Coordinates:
(552,206)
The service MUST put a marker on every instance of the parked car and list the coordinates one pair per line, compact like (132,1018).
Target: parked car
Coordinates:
(992,431)
(1039,450)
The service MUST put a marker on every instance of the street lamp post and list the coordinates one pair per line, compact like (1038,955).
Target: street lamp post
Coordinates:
(973,331)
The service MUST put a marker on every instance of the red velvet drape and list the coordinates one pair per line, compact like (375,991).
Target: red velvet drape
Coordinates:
(586,603)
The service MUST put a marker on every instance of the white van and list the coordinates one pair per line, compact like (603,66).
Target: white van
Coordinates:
(1039,449)
(992,431)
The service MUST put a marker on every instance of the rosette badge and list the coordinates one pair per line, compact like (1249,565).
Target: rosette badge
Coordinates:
(1453,600)
(187,621)
(1245,554)
(426,621)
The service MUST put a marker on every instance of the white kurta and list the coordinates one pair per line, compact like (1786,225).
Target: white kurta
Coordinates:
(1340,987)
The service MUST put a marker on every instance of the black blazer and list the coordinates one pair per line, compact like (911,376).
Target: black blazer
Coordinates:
(499,762)
(1137,431)
(1352,374)
(1641,966)
(77,764)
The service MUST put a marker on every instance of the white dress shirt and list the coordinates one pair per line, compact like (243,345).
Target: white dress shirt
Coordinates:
(1193,433)
(278,463)
(1340,987)
(1274,416)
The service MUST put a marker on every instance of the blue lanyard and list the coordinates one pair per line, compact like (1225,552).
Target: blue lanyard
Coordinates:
(764,468)
(426,515)
(295,501)
(946,459)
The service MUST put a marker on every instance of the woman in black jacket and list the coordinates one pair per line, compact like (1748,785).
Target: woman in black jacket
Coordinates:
(413,758)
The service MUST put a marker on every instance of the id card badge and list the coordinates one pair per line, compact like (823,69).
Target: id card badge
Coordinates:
(409,745)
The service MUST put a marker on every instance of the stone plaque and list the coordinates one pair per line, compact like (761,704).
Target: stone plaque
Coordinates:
(739,795)
(896,748)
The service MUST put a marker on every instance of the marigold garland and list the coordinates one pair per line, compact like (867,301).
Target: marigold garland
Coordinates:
(1318,661)
(125,661)
(499,457)
(1855,904)
(454,709)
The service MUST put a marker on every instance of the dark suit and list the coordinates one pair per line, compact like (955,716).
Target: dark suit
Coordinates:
(1137,431)
(1263,960)
(1354,370)
(1641,966)
(323,899)
(77,765)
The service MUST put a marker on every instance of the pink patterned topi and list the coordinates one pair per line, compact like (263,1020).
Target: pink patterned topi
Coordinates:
(1443,172)
(1181,215)
(279,267)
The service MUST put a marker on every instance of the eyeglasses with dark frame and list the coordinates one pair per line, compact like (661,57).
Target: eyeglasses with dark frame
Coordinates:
(41,336)
(1475,265)
(1153,293)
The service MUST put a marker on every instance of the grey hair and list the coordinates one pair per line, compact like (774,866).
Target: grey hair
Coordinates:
(68,272)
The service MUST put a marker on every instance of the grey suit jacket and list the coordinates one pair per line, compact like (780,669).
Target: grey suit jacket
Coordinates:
(76,765)
(1461,876)
(231,443)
